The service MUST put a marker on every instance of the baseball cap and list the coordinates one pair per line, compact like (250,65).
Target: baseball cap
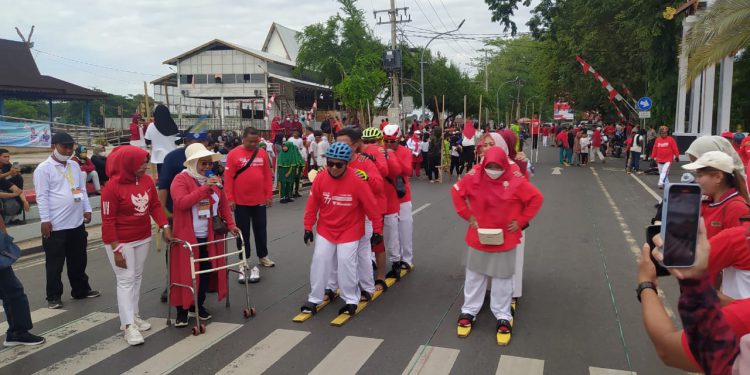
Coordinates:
(62,139)
(391,131)
(713,159)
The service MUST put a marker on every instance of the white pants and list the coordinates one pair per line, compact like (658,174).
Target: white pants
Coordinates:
(391,237)
(595,151)
(664,173)
(405,229)
(544,141)
(327,257)
(364,260)
(475,288)
(94,177)
(518,276)
(129,279)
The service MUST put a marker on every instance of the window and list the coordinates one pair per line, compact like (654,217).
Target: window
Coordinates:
(257,78)
(200,79)
(186,79)
(245,78)
(228,78)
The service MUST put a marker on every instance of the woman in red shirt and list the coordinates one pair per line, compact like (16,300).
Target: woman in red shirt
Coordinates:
(128,202)
(665,151)
(196,199)
(496,200)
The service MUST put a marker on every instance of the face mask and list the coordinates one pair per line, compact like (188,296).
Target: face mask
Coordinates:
(493,174)
(59,156)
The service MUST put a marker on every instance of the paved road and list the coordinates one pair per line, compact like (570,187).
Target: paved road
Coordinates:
(578,314)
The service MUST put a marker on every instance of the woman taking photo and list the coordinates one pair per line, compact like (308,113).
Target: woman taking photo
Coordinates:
(497,199)
(198,201)
(129,202)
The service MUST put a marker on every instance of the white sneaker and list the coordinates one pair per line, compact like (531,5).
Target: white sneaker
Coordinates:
(266,262)
(241,278)
(254,275)
(142,324)
(133,336)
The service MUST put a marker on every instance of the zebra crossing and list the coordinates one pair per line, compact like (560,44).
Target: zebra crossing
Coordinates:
(348,356)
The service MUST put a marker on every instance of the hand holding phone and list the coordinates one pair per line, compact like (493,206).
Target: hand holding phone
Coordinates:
(651,231)
(680,223)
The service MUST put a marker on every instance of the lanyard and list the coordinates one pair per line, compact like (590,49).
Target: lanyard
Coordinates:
(68,175)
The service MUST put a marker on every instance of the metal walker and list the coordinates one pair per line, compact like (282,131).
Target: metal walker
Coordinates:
(199,327)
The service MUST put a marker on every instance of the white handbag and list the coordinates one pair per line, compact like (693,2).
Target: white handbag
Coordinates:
(490,236)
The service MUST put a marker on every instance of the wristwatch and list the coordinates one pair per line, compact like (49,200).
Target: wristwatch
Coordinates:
(642,286)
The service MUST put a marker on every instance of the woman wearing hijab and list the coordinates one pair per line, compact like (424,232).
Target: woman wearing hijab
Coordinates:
(517,157)
(129,202)
(197,199)
(497,200)
(289,165)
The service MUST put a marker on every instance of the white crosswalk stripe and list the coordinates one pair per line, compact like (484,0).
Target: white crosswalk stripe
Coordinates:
(432,360)
(174,356)
(100,351)
(66,331)
(265,353)
(510,365)
(348,356)
(606,371)
(36,316)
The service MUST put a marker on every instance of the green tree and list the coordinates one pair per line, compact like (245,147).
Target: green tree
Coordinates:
(21,109)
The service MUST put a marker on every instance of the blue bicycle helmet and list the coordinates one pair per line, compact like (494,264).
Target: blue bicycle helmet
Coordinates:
(340,151)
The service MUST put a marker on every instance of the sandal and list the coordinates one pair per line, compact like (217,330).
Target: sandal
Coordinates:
(405,266)
(395,272)
(383,285)
(309,308)
(466,320)
(504,326)
(366,297)
(330,295)
(349,309)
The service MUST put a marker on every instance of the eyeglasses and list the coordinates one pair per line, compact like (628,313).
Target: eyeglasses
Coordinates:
(206,163)
(335,164)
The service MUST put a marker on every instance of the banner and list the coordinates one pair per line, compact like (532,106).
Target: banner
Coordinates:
(563,111)
(25,134)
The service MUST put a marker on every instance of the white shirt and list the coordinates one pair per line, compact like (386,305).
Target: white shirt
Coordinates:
(636,145)
(161,144)
(320,155)
(300,146)
(200,226)
(467,142)
(413,146)
(424,146)
(54,195)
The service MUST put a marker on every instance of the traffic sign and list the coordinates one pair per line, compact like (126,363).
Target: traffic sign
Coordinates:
(644,114)
(644,103)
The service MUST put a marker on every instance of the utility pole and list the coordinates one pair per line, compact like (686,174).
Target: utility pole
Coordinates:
(394,19)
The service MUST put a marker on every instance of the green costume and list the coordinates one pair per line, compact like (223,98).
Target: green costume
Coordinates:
(516,129)
(289,166)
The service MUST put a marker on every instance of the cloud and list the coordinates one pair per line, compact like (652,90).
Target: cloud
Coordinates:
(138,35)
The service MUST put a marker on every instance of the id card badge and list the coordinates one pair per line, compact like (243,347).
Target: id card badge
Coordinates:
(77,194)
(204,209)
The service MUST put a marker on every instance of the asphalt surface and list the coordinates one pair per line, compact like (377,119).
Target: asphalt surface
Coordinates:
(578,310)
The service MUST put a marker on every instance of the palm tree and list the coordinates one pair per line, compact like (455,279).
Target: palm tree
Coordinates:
(721,31)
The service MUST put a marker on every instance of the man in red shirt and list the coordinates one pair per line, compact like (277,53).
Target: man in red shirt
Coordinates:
(339,200)
(665,151)
(535,128)
(247,167)
(401,256)
(562,144)
(545,136)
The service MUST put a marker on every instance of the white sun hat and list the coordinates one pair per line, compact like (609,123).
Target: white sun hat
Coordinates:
(198,151)
(714,159)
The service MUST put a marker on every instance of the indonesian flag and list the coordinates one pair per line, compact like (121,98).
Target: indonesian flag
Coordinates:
(315,106)
(269,105)
(613,94)
(469,130)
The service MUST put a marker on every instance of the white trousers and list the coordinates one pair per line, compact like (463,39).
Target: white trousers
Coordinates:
(93,177)
(129,279)
(328,257)
(364,260)
(518,276)
(475,288)
(391,237)
(664,173)
(595,151)
(405,232)
(544,141)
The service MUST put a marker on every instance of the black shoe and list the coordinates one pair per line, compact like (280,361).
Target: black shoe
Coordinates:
(203,314)
(297,195)
(25,338)
(164,296)
(182,319)
(349,309)
(54,304)
(89,294)
(283,201)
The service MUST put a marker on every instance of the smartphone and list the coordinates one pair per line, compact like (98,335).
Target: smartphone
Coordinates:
(651,231)
(680,215)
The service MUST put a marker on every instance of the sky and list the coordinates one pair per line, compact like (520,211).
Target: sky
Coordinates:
(114,46)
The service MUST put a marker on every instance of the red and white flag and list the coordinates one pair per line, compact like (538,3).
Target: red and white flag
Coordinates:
(269,105)
(613,94)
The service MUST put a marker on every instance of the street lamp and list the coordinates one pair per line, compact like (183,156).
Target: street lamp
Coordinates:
(497,97)
(421,60)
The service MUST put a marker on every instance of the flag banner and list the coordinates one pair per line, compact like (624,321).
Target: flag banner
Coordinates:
(25,134)
(613,94)
(562,111)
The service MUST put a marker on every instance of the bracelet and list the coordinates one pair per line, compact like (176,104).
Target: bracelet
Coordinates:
(643,286)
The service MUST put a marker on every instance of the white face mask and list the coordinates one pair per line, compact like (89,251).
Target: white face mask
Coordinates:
(493,174)
(59,156)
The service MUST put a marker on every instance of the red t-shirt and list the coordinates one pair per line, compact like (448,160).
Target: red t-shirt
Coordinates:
(725,213)
(665,150)
(255,185)
(403,155)
(545,131)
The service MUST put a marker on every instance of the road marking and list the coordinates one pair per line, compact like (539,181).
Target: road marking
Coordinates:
(420,208)
(348,356)
(431,360)
(66,331)
(557,170)
(648,189)
(36,316)
(176,355)
(632,243)
(606,371)
(99,351)
(265,353)
(510,365)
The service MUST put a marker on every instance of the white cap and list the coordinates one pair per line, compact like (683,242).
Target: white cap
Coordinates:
(713,159)
(391,130)
(197,151)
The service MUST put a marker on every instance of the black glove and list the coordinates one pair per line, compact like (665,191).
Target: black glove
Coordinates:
(376,238)
(309,237)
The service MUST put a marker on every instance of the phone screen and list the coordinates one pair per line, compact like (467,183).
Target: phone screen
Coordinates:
(681,225)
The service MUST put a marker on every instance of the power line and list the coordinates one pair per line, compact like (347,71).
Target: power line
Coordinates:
(95,65)
(451,18)
(443,23)
(433,26)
